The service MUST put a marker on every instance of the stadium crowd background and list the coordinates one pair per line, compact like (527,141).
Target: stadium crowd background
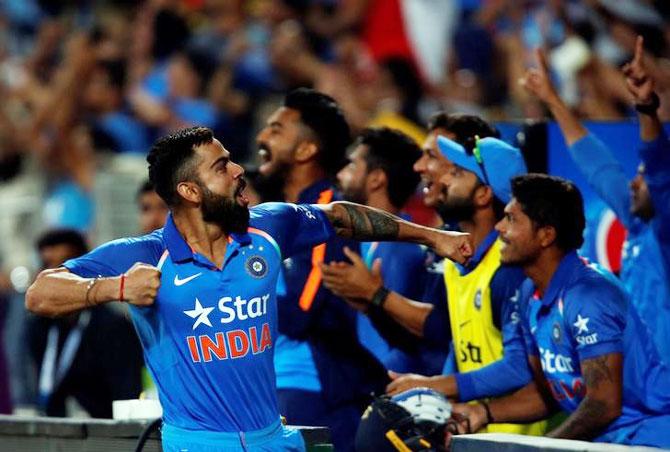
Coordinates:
(87,86)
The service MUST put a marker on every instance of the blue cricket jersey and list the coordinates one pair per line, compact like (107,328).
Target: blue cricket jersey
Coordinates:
(645,270)
(208,337)
(585,314)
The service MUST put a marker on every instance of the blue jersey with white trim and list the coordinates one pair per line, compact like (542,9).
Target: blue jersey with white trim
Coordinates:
(585,313)
(208,337)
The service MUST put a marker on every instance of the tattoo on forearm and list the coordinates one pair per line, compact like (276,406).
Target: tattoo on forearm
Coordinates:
(593,414)
(363,223)
(585,423)
(596,371)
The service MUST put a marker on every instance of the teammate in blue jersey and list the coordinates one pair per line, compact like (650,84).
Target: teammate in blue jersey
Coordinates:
(202,291)
(379,174)
(590,353)
(642,205)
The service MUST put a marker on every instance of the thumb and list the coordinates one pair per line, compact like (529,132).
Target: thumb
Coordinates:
(377,267)
(394,375)
(353,257)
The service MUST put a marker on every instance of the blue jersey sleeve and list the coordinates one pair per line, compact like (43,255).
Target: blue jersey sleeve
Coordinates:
(511,371)
(656,158)
(595,316)
(116,257)
(295,227)
(604,174)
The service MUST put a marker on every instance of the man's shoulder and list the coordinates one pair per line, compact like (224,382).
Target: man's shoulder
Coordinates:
(596,286)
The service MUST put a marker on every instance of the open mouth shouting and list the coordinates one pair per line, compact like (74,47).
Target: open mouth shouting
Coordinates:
(239,193)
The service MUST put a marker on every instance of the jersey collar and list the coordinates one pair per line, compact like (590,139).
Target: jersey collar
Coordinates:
(180,251)
(565,270)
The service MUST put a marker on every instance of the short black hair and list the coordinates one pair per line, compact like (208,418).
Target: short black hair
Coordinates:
(70,237)
(552,201)
(464,127)
(394,153)
(145,187)
(321,114)
(170,160)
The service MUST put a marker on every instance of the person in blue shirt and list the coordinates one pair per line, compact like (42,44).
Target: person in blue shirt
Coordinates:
(590,353)
(202,290)
(643,205)
(476,203)
(324,374)
(379,174)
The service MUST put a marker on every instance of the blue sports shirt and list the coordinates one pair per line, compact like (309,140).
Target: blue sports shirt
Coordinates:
(585,314)
(208,337)
(645,270)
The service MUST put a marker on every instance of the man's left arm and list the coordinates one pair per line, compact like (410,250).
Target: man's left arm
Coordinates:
(602,405)
(364,223)
(595,313)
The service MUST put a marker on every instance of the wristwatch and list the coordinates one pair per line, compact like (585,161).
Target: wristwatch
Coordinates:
(379,298)
(651,107)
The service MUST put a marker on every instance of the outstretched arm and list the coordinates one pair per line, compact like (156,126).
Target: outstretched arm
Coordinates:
(364,223)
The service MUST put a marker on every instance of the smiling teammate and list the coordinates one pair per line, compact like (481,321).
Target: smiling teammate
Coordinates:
(202,291)
(590,353)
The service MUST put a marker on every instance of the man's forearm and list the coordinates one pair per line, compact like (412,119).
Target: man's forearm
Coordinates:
(525,405)
(586,422)
(58,292)
(408,313)
(571,127)
(364,223)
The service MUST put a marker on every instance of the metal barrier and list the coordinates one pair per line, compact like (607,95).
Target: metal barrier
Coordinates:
(502,442)
(42,434)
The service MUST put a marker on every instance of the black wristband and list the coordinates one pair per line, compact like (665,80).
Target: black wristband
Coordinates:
(650,108)
(379,298)
(489,416)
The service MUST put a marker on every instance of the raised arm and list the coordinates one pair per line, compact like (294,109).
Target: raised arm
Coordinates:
(58,292)
(601,169)
(369,224)
(640,85)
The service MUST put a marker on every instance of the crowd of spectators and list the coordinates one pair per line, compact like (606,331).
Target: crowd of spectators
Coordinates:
(80,79)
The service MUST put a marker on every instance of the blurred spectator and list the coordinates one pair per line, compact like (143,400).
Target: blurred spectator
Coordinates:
(74,356)
(324,375)
(380,175)
(642,204)
(152,209)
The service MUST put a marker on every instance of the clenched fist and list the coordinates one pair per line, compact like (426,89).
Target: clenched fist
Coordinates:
(455,246)
(141,285)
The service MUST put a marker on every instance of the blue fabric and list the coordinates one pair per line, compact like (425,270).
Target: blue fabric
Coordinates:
(198,112)
(584,314)
(128,134)
(493,161)
(272,438)
(645,268)
(347,371)
(68,205)
(208,337)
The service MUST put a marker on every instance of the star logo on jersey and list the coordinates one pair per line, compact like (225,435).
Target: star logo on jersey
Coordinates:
(200,314)
(581,324)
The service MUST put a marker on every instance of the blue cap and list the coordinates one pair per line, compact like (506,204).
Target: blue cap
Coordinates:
(493,161)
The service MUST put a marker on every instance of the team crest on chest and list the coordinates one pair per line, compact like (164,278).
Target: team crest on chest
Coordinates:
(478,299)
(256,266)
(556,333)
